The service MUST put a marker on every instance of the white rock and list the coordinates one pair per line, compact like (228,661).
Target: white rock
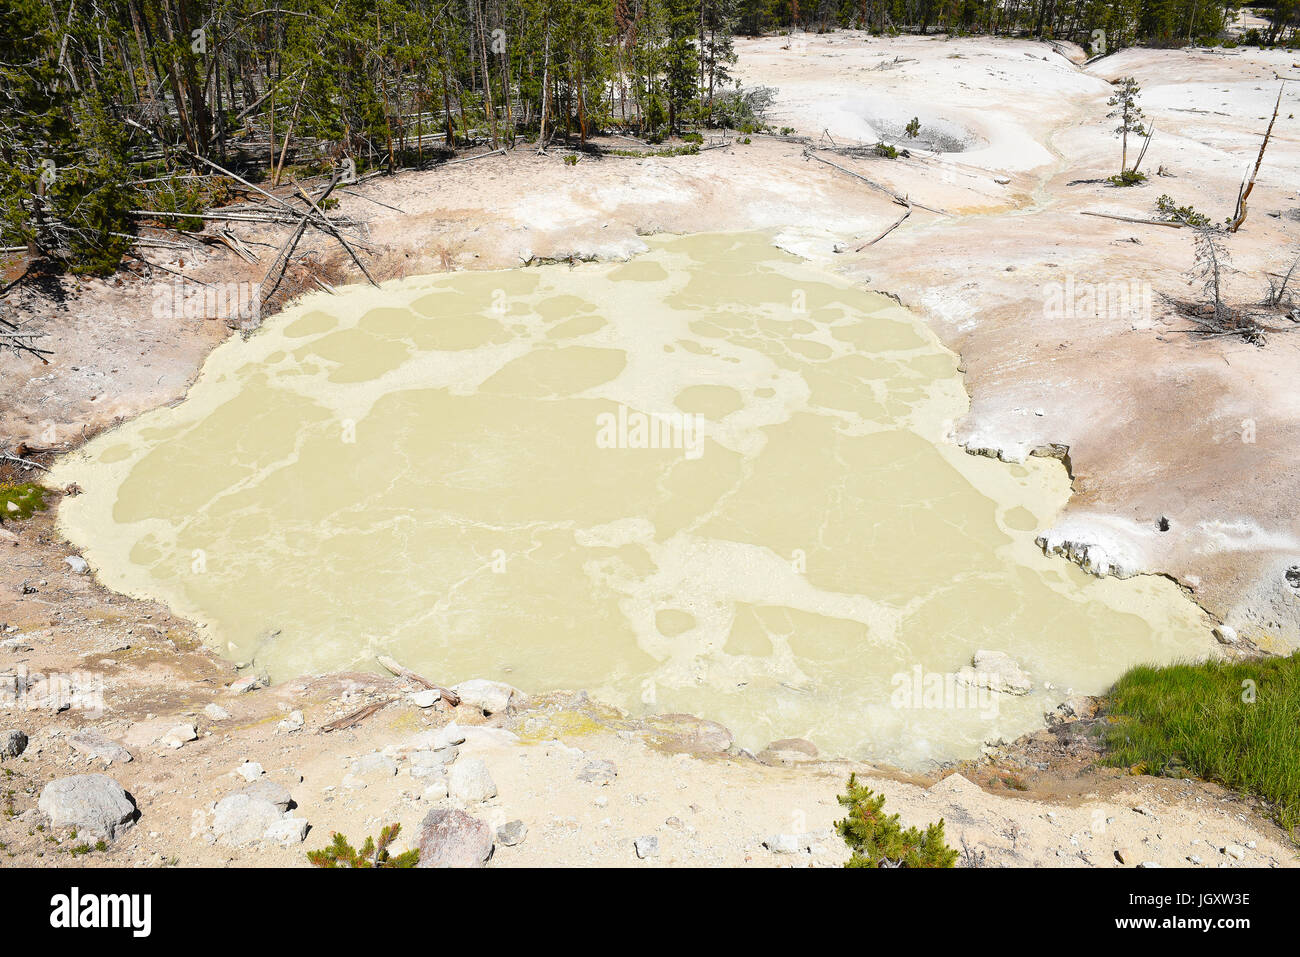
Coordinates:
(783,844)
(245,685)
(490,697)
(293,722)
(437,789)
(216,712)
(424,699)
(250,771)
(996,671)
(287,831)
(179,735)
(469,782)
(93,744)
(77,564)
(426,763)
(448,736)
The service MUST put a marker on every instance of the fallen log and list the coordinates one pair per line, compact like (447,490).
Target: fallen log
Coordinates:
(329,227)
(448,695)
(899,200)
(356,717)
(281,263)
(898,222)
(1131,219)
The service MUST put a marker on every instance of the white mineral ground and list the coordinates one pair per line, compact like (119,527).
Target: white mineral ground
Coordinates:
(1157,425)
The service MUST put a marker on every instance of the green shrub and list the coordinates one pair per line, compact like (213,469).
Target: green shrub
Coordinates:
(1235,723)
(877,840)
(1130,177)
(1166,208)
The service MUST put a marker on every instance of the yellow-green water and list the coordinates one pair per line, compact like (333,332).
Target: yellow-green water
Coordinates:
(448,470)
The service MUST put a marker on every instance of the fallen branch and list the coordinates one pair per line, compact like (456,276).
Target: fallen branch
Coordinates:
(1131,219)
(330,228)
(898,222)
(275,272)
(900,200)
(448,695)
(7,456)
(356,717)
(281,263)
(237,246)
(174,272)
(371,199)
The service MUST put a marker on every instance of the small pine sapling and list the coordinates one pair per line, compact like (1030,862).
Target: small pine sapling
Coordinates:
(877,840)
(1130,116)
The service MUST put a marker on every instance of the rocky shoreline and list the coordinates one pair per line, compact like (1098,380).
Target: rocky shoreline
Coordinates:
(192,763)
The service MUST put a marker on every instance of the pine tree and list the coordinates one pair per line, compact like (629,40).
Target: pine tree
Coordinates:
(1129,114)
(877,840)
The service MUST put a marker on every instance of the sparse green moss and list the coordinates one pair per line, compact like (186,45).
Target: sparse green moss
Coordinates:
(20,501)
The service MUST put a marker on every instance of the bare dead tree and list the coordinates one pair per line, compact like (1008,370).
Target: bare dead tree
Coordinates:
(1277,293)
(1208,270)
(1248,185)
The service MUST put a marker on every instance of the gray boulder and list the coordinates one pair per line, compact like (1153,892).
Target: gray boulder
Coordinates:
(451,838)
(240,819)
(512,833)
(12,743)
(427,763)
(88,802)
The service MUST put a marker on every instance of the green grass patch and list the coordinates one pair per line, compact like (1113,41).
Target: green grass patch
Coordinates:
(1235,723)
(690,149)
(19,501)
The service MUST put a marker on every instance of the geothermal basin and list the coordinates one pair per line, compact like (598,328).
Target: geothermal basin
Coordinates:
(713,479)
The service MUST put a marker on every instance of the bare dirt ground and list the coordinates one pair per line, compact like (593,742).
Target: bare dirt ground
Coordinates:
(1156,424)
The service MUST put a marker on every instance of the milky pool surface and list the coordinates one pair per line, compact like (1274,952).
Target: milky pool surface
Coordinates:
(452,470)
